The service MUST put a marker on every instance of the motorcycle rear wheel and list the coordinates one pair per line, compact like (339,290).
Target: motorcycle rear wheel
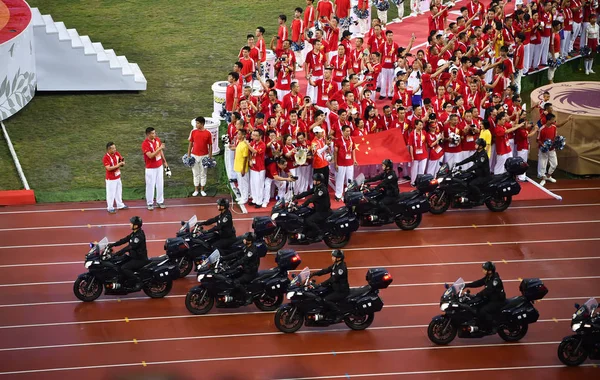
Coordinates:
(269,303)
(198,301)
(409,222)
(275,243)
(185,266)
(336,241)
(359,322)
(80,288)
(509,334)
(283,322)
(438,203)
(436,327)
(565,352)
(158,289)
(498,204)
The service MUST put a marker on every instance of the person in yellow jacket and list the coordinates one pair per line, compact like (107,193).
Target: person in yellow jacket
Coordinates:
(240,165)
(487,136)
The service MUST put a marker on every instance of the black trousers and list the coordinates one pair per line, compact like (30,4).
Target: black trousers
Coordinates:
(475,187)
(487,311)
(331,300)
(130,267)
(312,223)
(225,243)
(385,204)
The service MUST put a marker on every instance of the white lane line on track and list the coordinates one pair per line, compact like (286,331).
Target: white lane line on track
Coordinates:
(435,372)
(242,335)
(577,189)
(94,209)
(71,323)
(297,355)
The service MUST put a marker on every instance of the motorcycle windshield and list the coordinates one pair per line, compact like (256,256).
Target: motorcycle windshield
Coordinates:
(444,170)
(591,305)
(102,244)
(360,179)
(214,257)
(279,204)
(189,224)
(302,277)
(458,285)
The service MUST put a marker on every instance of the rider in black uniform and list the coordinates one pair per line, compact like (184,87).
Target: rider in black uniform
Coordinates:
(322,206)
(481,167)
(388,185)
(137,252)
(247,265)
(493,293)
(338,282)
(224,225)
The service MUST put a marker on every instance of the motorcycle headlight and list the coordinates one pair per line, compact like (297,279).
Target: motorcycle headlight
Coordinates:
(275,216)
(444,306)
(289,295)
(200,277)
(576,327)
(88,264)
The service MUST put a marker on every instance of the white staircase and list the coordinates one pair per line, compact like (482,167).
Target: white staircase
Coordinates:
(66,61)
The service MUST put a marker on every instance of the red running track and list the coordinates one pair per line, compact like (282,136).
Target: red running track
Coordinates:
(46,332)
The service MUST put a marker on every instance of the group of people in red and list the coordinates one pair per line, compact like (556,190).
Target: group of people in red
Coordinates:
(464,85)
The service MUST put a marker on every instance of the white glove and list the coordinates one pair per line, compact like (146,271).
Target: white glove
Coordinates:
(167,171)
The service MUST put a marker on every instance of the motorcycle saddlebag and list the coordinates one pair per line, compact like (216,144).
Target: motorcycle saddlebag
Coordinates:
(379,278)
(424,184)
(176,245)
(369,304)
(418,205)
(346,224)
(166,271)
(263,226)
(261,249)
(516,166)
(277,285)
(526,313)
(508,187)
(287,259)
(533,289)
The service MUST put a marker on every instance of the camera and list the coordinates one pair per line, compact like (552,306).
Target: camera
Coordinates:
(295,178)
(281,59)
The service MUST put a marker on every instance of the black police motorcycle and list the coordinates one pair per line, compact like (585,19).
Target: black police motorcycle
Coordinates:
(574,349)
(289,221)
(460,314)
(497,194)
(358,308)
(193,244)
(407,211)
(104,274)
(216,287)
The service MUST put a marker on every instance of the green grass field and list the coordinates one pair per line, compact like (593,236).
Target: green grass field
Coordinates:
(182,48)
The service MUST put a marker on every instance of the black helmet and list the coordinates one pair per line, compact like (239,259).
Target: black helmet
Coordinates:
(249,236)
(387,162)
(136,221)
(223,202)
(488,265)
(338,254)
(481,142)
(319,177)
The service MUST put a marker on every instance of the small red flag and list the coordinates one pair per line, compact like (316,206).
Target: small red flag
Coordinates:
(375,147)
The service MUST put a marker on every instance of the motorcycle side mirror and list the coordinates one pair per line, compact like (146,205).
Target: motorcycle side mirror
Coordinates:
(577,306)
(293,275)
(468,291)
(182,223)
(446,286)
(91,245)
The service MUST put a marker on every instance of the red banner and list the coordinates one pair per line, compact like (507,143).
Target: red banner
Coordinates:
(374,148)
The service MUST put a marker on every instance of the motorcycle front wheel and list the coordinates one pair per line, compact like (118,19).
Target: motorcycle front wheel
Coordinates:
(336,241)
(288,319)
(359,322)
(276,240)
(439,202)
(158,289)
(441,332)
(198,301)
(570,352)
(269,303)
(498,203)
(87,288)
(409,222)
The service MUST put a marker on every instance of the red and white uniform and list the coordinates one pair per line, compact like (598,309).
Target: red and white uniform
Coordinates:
(417,141)
(114,188)
(257,173)
(345,164)
(503,151)
(154,171)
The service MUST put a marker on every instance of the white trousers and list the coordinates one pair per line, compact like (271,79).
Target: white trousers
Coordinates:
(526,58)
(584,26)
(536,56)
(543,160)
(281,94)
(414,6)
(311,91)
(199,171)
(492,157)
(342,176)
(400,10)
(257,184)
(500,160)
(433,166)
(114,192)
(229,158)
(565,44)
(552,70)
(154,179)
(304,174)
(544,46)
(268,189)
(243,184)
(523,154)
(382,15)
(574,34)
(386,82)
(417,167)
(452,158)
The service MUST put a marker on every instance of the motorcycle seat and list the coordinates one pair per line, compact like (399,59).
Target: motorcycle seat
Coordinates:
(513,302)
(264,274)
(409,195)
(339,212)
(357,292)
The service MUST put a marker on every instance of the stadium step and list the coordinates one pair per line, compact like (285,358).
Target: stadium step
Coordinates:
(67,61)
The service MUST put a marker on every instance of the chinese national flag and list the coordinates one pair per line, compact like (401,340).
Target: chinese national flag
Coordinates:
(374,148)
